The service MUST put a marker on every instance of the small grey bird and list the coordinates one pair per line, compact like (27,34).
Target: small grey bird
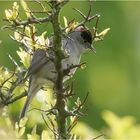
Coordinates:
(42,69)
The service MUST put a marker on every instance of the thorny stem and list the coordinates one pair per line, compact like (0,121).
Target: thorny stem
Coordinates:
(60,103)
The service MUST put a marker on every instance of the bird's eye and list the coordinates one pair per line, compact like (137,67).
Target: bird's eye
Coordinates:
(87,37)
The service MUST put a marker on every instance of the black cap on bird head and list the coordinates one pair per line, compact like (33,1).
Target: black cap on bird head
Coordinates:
(87,36)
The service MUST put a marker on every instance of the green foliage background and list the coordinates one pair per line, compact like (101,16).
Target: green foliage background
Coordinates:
(112,75)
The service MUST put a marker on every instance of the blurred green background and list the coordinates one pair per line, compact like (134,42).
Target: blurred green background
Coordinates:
(112,76)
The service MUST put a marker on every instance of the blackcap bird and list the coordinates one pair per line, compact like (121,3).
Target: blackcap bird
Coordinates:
(42,69)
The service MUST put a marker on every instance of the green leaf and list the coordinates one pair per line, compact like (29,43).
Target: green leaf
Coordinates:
(121,127)
(104,32)
(8,122)
(83,66)
(16,126)
(26,9)
(25,58)
(21,131)
(78,102)
(71,25)
(65,22)
(15,6)
(6,128)
(23,121)
(4,75)
(84,131)
(28,31)
(47,41)
(33,137)
(40,40)
(34,130)
(15,10)
(8,14)
(45,135)
(17,36)
(20,89)
(12,14)
(5,111)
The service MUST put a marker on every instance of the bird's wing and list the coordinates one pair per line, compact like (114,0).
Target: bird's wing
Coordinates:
(38,61)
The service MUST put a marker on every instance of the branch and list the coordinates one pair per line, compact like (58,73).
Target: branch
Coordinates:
(69,93)
(34,20)
(57,43)
(12,100)
(72,125)
(67,71)
(87,18)
(42,6)
(49,111)
(17,23)
(76,111)
(55,133)
(98,137)
(6,92)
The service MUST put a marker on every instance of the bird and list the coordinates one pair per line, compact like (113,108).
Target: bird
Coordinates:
(42,70)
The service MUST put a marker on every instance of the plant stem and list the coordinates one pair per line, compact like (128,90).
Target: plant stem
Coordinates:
(57,42)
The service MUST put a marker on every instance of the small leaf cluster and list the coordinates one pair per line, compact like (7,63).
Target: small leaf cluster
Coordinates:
(12,14)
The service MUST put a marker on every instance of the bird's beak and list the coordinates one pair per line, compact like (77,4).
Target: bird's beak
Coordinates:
(90,46)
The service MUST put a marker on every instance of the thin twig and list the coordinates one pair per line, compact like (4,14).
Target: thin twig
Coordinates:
(49,126)
(98,137)
(13,61)
(53,126)
(6,80)
(41,4)
(81,13)
(69,93)
(15,98)
(82,103)
(88,20)
(89,11)
(45,111)
(76,111)
(67,71)
(38,12)
(72,125)
(29,21)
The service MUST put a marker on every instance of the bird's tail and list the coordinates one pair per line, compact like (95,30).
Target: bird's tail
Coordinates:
(32,92)
(24,110)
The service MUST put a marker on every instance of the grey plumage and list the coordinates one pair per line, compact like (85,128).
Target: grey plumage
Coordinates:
(42,70)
